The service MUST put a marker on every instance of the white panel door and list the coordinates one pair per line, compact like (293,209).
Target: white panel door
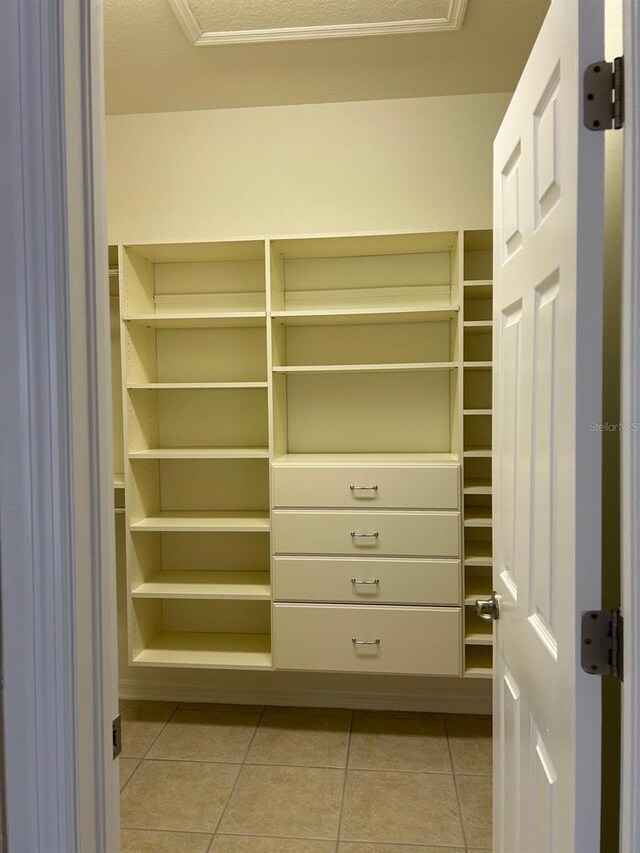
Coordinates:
(548,208)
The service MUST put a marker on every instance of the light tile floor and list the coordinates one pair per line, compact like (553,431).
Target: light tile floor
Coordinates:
(240,779)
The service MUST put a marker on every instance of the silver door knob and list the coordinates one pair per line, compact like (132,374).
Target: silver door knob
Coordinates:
(488,608)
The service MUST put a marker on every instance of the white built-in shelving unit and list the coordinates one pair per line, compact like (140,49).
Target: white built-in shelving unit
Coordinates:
(307,452)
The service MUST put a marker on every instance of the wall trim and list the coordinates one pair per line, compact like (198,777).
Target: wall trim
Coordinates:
(198,38)
(458,702)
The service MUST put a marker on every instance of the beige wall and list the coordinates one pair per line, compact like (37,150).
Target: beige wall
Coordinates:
(421,163)
(379,165)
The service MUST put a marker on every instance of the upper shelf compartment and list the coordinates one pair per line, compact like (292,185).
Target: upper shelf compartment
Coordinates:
(478,255)
(381,278)
(186,285)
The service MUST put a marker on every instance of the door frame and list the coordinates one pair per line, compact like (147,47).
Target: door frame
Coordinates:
(56,520)
(630,444)
(56,483)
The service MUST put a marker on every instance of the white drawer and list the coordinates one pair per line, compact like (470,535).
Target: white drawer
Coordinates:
(366,486)
(358,580)
(400,534)
(401,640)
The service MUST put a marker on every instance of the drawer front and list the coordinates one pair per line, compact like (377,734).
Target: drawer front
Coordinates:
(401,640)
(400,534)
(366,486)
(358,580)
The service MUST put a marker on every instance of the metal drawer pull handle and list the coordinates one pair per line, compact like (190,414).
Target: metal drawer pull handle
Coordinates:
(363,488)
(375,581)
(373,535)
(357,642)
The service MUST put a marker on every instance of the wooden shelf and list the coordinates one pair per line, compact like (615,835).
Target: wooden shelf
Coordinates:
(357,316)
(468,412)
(236,586)
(201,453)
(215,651)
(478,516)
(477,638)
(478,662)
(367,368)
(478,486)
(478,365)
(203,320)
(165,386)
(118,481)
(478,553)
(481,327)
(194,522)
(296,459)
(478,453)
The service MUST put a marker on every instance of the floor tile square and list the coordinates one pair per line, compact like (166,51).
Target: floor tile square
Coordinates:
(470,739)
(142,722)
(475,795)
(194,734)
(360,847)
(401,808)
(417,743)
(294,802)
(177,795)
(256,844)
(144,841)
(314,712)
(301,739)
(127,767)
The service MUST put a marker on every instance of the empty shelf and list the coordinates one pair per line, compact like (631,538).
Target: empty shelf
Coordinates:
(478,289)
(203,320)
(217,651)
(355,316)
(478,365)
(161,386)
(469,412)
(118,481)
(478,554)
(367,368)
(478,453)
(478,516)
(249,586)
(478,662)
(478,638)
(476,587)
(201,453)
(478,486)
(481,327)
(194,522)
(296,459)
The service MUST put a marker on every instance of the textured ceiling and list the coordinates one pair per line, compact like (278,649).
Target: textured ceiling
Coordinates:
(151,67)
(227,15)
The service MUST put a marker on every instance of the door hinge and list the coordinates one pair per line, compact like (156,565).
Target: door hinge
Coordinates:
(117,736)
(601,641)
(604,95)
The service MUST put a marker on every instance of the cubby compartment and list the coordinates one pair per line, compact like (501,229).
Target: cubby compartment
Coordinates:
(200,355)
(426,345)
(226,495)
(190,285)
(201,634)
(478,255)
(478,388)
(477,631)
(478,661)
(478,546)
(478,511)
(478,342)
(332,277)
(227,566)
(477,476)
(366,413)
(226,422)
(477,433)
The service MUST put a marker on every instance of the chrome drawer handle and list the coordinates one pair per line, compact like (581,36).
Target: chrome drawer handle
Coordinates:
(373,535)
(375,581)
(363,488)
(357,642)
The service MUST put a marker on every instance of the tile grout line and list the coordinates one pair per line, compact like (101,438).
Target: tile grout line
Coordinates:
(233,787)
(142,758)
(455,785)
(344,780)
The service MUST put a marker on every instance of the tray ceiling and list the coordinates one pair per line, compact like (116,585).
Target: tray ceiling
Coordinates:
(150,66)
(214,22)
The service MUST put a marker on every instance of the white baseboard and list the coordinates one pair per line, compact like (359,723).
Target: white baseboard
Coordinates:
(453,702)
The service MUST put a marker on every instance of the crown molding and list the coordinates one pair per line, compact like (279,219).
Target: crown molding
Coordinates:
(187,20)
